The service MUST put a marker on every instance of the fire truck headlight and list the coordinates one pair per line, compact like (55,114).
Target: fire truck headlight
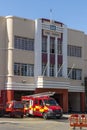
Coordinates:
(50,110)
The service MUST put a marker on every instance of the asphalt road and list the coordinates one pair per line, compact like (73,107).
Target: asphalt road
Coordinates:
(35,124)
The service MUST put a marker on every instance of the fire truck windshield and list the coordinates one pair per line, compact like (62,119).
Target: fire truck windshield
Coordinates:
(18,105)
(50,102)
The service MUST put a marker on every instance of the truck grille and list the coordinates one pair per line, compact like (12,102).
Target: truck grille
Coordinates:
(57,111)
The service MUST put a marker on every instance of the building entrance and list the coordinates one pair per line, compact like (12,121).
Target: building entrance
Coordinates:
(59,98)
(18,94)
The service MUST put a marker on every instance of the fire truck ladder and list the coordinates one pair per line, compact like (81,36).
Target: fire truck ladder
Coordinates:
(42,94)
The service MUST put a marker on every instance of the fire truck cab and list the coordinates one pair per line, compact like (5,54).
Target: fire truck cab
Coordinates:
(43,105)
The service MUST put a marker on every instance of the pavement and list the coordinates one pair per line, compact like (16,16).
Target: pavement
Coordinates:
(66,115)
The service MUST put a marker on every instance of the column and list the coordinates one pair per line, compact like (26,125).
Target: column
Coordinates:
(65,101)
(64,48)
(10,49)
(48,55)
(38,48)
(10,95)
(82,101)
(56,57)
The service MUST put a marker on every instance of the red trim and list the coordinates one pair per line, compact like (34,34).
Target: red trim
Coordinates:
(82,102)
(6,95)
(52,58)
(44,58)
(60,59)
(48,20)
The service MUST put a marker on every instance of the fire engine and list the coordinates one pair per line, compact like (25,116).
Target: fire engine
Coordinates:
(43,105)
(12,108)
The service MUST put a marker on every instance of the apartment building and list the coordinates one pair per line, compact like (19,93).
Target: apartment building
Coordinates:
(42,55)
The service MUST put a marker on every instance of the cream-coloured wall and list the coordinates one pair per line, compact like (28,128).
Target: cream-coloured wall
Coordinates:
(28,80)
(76,38)
(24,27)
(3,51)
(85,56)
(21,56)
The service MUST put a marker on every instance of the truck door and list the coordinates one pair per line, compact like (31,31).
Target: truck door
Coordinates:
(39,107)
(36,107)
(31,110)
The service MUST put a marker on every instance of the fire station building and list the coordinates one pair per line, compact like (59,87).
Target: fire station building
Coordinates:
(43,55)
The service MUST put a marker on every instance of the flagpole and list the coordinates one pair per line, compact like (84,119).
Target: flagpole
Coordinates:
(71,70)
(45,69)
(60,69)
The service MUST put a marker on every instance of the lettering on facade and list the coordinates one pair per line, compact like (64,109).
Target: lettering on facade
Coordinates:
(51,33)
(54,28)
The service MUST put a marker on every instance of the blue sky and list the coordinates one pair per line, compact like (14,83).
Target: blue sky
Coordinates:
(73,13)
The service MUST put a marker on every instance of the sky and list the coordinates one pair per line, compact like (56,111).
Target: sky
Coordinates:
(72,13)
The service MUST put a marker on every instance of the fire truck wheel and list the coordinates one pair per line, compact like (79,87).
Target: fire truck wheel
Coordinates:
(27,114)
(45,116)
(1,113)
(58,117)
(22,116)
(11,115)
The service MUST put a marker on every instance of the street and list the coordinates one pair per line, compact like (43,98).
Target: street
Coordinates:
(35,124)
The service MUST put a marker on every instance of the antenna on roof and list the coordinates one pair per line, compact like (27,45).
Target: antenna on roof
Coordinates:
(51,20)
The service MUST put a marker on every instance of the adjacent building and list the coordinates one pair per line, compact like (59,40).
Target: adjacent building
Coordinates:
(43,55)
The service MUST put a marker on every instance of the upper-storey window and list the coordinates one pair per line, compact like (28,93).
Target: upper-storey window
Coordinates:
(59,46)
(52,70)
(23,43)
(44,44)
(22,69)
(59,70)
(75,73)
(44,69)
(52,45)
(74,51)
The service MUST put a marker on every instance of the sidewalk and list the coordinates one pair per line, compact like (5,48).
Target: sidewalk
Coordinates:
(66,115)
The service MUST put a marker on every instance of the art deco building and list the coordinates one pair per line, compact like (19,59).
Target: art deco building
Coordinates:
(42,55)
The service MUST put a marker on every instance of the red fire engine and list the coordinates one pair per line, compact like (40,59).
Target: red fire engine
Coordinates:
(12,108)
(42,105)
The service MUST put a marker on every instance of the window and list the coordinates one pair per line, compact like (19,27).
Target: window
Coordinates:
(75,73)
(44,69)
(59,73)
(23,43)
(52,45)
(59,46)
(74,51)
(44,44)
(36,102)
(17,69)
(30,70)
(23,69)
(51,70)
(41,102)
